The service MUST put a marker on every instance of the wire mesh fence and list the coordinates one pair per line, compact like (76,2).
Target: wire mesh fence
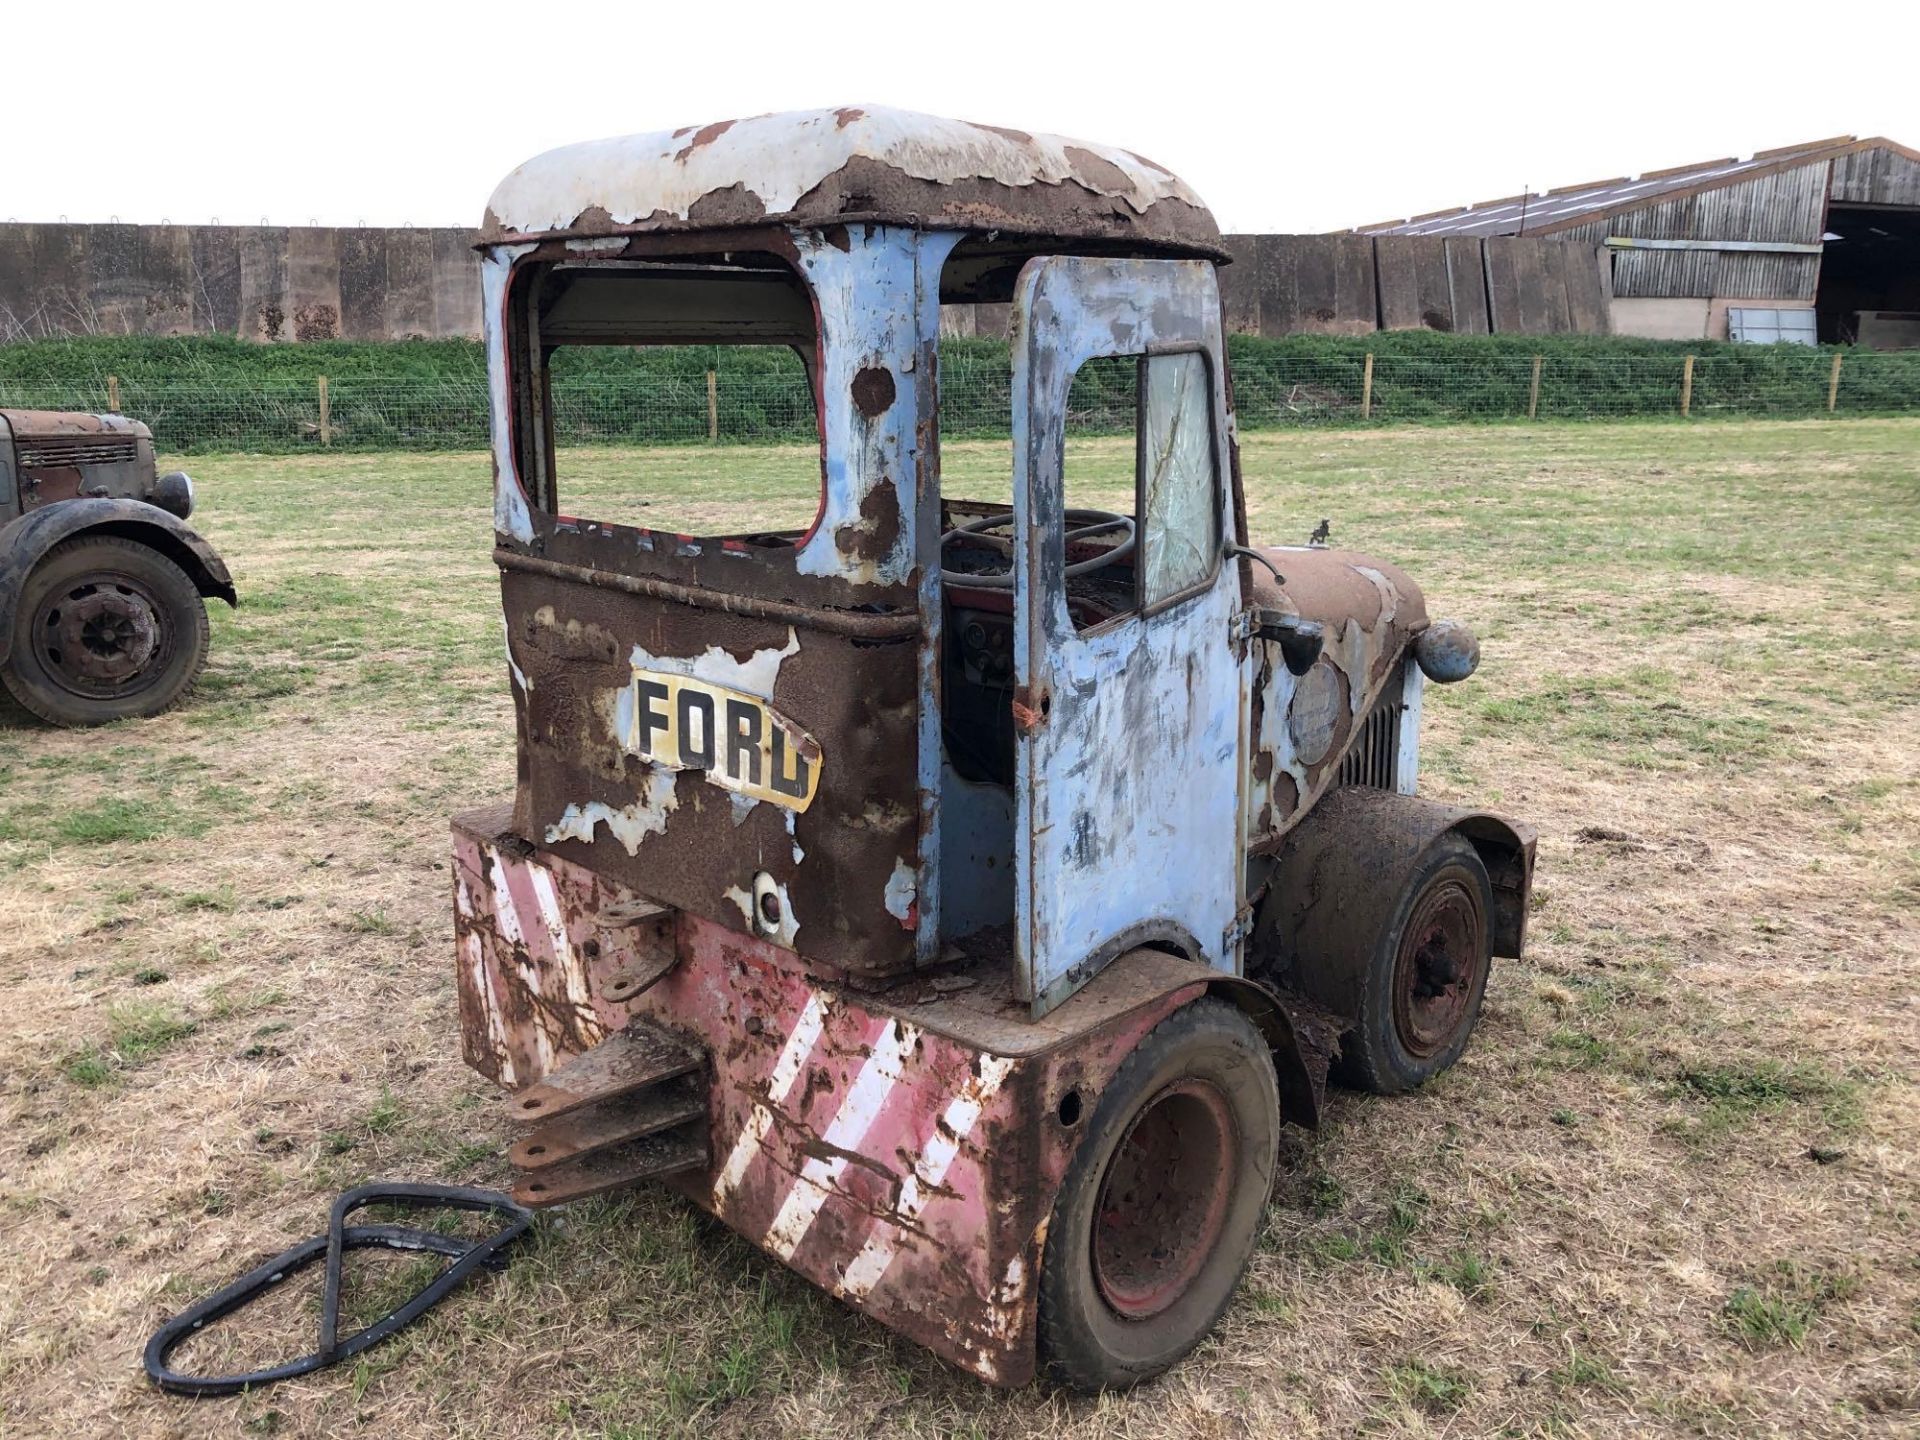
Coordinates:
(1270,392)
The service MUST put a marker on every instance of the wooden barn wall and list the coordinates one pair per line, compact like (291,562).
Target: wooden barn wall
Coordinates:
(1356,284)
(1789,207)
(1876,177)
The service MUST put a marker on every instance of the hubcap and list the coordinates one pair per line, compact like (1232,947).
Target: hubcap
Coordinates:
(1435,972)
(101,635)
(1164,1199)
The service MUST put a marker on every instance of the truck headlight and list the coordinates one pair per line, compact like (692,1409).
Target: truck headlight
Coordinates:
(1447,651)
(173,493)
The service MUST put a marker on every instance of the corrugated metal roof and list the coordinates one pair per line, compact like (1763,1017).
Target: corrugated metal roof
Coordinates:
(1574,205)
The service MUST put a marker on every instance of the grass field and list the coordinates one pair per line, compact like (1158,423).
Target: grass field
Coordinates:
(1673,1187)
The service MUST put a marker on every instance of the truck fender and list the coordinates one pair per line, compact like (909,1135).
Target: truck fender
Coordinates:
(25,541)
(1303,1045)
(1337,877)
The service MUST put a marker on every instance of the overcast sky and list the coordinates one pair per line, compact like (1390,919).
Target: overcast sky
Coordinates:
(1284,117)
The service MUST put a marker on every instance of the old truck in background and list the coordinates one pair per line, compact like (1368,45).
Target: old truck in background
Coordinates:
(102,581)
(953,896)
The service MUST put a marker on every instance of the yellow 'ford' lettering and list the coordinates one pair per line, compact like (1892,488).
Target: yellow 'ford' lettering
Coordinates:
(736,740)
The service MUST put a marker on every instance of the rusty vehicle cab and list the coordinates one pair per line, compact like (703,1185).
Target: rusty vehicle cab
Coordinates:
(953,896)
(102,581)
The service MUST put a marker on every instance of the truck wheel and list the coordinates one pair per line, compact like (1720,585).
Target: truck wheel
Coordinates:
(107,629)
(1427,975)
(1155,1221)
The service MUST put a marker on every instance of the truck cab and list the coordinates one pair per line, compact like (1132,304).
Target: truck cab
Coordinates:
(954,893)
(102,581)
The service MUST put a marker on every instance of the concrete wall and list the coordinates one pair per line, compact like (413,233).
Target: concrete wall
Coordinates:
(307,283)
(260,283)
(1651,319)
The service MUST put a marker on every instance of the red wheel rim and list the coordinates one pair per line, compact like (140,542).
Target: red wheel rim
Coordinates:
(1438,967)
(1164,1199)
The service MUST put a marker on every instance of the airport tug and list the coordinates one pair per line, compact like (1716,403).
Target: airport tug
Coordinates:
(954,898)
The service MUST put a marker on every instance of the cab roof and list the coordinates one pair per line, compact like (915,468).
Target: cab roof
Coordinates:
(819,168)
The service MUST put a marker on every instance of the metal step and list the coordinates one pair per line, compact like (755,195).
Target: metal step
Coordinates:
(609,1169)
(643,1054)
(592,1128)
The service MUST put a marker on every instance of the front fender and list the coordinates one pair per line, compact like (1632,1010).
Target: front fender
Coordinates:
(25,541)
(1338,876)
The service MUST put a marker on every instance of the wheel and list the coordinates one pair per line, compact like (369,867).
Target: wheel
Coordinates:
(107,629)
(1155,1220)
(1425,980)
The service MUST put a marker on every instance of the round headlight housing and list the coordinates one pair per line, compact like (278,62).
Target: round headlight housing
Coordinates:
(1447,651)
(173,493)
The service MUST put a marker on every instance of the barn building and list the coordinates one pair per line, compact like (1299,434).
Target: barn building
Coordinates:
(1820,239)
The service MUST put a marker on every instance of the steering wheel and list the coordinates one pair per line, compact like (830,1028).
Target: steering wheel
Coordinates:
(1081,525)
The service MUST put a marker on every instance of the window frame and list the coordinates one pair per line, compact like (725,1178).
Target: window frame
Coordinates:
(1211,577)
(531,424)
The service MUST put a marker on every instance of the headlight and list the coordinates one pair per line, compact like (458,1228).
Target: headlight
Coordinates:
(173,493)
(1447,651)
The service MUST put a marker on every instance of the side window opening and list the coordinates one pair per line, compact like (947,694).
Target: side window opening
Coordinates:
(634,383)
(1099,481)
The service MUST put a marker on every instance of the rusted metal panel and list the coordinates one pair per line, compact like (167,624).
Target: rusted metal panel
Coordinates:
(900,1152)
(828,638)
(857,163)
(1306,725)
(1131,760)
(63,456)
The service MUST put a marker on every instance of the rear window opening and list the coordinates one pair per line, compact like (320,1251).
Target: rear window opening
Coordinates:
(635,384)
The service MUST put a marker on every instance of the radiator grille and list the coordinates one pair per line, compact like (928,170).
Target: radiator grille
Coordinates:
(76,450)
(1374,760)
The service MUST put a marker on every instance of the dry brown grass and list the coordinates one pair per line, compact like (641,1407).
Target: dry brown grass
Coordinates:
(225,961)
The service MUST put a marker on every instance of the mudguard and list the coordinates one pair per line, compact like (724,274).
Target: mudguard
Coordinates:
(1339,874)
(23,542)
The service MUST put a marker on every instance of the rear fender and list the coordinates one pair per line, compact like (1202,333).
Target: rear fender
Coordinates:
(25,542)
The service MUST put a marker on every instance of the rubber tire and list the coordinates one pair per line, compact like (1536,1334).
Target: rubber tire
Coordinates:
(1372,1057)
(1084,1344)
(25,674)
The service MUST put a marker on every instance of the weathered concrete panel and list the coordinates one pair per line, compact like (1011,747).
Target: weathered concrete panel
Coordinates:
(266,296)
(1415,290)
(456,284)
(313,282)
(1467,282)
(409,284)
(214,254)
(363,283)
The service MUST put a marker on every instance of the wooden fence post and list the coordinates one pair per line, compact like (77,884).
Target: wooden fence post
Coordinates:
(1833,383)
(713,407)
(1686,388)
(1533,391)
(326,413)
(113,394)
(1366,388)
